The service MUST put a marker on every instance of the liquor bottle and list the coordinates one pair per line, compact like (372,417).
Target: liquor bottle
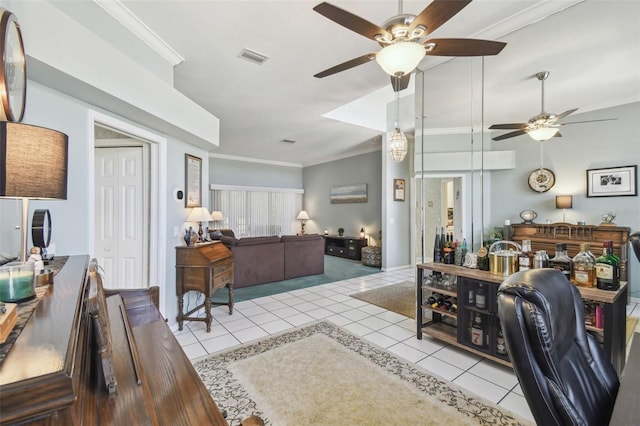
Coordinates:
(477,332)
(432,301)
(525,258)
(584,268)
(463,251)
(481,297)
(436,248)
(501,348)
(607,270)
(561,262)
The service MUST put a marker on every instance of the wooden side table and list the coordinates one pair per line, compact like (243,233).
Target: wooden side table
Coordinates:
(203,268)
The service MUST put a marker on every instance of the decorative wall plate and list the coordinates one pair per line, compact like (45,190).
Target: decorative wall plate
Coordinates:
(541,180)
(13,69)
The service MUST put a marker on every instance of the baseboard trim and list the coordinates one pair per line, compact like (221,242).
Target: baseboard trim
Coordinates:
(397,268)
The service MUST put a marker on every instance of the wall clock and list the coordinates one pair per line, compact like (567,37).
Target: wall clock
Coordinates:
(13,69)
(541,180)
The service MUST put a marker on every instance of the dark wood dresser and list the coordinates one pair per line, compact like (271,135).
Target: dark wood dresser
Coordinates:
(52,374)
(203,268)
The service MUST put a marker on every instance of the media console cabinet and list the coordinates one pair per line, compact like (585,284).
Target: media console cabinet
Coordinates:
(454,328)
(348,247)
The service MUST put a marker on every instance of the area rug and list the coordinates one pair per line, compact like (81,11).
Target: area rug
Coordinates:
(321,374)
(399,298)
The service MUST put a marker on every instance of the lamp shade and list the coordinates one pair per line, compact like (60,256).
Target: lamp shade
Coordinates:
(199,214)
(564,201)
(303,215)
(33,162)
(400,58)
(216,215)
(543,133)
(398,145)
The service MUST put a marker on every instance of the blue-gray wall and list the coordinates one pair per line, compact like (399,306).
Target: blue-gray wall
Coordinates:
(223,171)
(319,179)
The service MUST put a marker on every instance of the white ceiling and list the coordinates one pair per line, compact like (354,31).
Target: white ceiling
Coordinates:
(592,49)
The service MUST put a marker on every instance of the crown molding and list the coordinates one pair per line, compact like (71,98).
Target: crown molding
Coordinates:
(130,21)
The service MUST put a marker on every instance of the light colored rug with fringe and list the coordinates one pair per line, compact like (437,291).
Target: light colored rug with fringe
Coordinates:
(323,375)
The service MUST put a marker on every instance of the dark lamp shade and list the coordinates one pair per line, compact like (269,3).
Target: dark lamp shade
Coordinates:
(33,162)
(564,201)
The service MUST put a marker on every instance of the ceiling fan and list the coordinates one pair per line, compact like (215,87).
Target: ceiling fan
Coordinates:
(402,38)
(540,127)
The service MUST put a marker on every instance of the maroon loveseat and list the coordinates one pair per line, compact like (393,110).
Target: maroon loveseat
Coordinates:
(259,260)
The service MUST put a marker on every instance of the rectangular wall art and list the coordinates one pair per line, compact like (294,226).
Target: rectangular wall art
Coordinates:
(612,182)
(356,193)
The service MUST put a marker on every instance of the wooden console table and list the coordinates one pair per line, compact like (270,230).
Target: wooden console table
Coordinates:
(203,268)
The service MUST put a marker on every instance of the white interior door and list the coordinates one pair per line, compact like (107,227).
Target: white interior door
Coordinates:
(120,219)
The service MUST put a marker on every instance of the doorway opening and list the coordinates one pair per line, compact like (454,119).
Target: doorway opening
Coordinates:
(127,207)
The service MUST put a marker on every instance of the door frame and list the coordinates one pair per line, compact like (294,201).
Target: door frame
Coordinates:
(157,198)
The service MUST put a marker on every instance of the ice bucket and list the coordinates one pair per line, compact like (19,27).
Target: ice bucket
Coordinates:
(17,282)
(503,262)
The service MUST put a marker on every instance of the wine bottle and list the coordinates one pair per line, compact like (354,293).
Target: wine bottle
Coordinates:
(481,297)
(607,270)
(501,348)
(437,248)
(443,243)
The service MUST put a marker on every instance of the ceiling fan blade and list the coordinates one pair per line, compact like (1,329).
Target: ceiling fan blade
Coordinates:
(346,65)
(588,121)
(463,47)
(508,126)
(564,114)
(351,21)
(437,13)
(400,83)
(510,135)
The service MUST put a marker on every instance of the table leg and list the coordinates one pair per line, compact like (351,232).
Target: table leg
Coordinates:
(230,287)
(207,311)
(180,306)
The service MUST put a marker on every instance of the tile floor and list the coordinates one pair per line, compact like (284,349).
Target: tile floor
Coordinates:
(258,318)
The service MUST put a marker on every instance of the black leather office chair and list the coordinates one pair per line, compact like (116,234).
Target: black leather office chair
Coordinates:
(635,243)
(566,377)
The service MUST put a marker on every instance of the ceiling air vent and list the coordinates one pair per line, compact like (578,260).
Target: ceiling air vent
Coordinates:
(287,141)
(253,56)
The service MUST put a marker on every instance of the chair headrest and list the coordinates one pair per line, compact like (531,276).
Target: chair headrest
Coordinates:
(552,296)
(635,243)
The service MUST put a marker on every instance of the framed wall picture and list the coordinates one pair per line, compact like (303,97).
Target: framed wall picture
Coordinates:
(612,182)
(193,181)
(398,189)
(356,193)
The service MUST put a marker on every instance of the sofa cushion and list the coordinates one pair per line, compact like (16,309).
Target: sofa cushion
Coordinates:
(228,241)
(304,237)
(217,233)
(252,241)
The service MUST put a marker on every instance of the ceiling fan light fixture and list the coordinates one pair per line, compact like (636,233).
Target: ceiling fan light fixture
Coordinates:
(400,58)
(542,134)
(398,145)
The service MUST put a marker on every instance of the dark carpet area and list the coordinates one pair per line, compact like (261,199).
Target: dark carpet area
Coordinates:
(335,269)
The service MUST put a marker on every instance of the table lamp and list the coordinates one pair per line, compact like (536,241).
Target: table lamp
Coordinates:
(199,214)
(564,202)
(33,165)
(303,216)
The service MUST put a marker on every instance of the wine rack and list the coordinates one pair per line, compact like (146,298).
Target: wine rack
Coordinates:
(456,328)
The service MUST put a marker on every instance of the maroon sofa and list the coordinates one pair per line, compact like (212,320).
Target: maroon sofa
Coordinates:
(259,260)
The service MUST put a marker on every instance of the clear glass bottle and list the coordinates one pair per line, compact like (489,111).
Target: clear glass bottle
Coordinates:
(525,258)
(584,268)
(607,268)
(561,261)
(477,332)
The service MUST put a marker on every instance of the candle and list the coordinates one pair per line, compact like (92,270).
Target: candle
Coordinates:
(16,282)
